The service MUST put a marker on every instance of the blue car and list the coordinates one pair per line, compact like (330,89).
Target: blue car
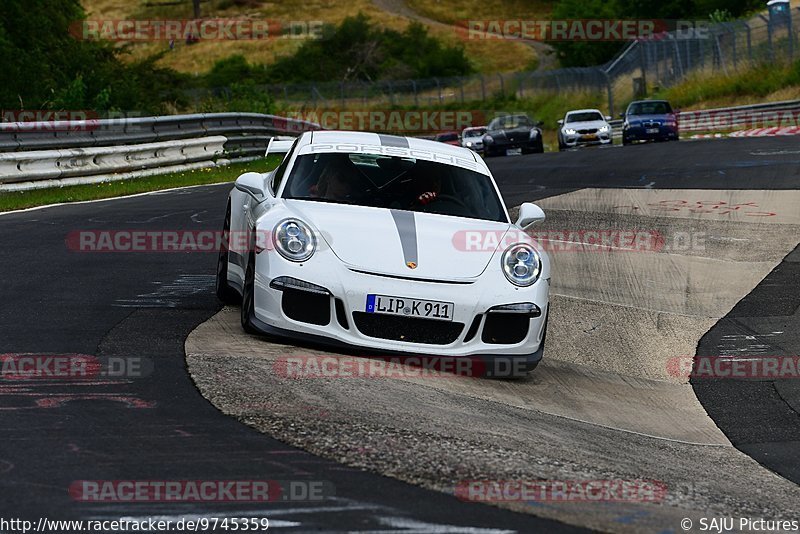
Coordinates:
(649,120)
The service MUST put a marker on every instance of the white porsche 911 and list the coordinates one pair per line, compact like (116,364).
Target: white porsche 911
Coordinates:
(387,244)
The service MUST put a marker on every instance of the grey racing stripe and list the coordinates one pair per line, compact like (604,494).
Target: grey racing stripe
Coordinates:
(407,229)
(393,140)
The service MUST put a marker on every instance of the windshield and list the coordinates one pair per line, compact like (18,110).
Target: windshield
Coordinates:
(584,116)
(393,182)
(511,121)
(447,137)
(474,132)
(649,108)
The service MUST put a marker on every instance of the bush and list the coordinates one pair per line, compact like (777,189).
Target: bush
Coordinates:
(358,50)
(45,67)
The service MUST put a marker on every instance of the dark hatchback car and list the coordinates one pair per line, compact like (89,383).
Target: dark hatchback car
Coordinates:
(649,120)
(512,134)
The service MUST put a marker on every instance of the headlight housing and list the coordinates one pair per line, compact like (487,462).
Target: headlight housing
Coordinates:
(570,131)
(487,140)
(604,128)
(521,264)
(294,240)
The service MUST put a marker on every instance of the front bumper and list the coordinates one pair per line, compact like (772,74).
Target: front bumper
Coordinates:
(500,147)
(477,146)
(574,140)
(337,317)
(642,133)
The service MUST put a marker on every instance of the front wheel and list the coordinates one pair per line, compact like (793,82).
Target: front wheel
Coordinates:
(224,291)
(248,295)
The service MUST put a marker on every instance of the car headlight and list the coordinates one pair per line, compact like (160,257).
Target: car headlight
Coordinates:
(604,128)
(487,139)
(570,131)
(521,264)
(469,143)
(534,134)
(294,240)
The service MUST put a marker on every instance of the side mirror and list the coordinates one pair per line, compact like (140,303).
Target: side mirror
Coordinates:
(560,122)
(539,123)
(622,115)
(252,183)
(529,214)
(608,117)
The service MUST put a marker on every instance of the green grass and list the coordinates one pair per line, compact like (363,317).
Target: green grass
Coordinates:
(56,195)
(743,86)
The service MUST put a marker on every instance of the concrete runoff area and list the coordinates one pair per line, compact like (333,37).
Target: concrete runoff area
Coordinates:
(606,402)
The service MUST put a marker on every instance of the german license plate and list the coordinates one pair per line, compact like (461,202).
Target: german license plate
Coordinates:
(427,309)
(514,152)
(590,137)
(652,130)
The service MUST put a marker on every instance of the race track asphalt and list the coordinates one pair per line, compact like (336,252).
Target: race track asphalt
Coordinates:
(158,427)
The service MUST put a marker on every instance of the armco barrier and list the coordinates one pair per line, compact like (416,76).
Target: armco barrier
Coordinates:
(238,127)
(80,162)
(43,154)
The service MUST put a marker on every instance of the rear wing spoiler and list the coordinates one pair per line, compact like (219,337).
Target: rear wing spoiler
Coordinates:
(279,145)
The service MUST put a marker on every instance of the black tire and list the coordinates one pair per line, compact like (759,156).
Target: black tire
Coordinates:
(225,292)
(625,142)
(248,295)
(539,146)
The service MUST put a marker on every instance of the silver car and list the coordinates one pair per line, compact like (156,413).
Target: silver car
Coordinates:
(584,127)
(472,138)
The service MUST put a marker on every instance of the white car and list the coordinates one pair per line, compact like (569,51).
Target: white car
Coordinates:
(472,138)
(584,127)
(391,244)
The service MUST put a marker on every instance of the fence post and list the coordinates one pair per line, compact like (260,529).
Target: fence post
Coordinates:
(461,86)
(643,67)
(791,34)
(439,88)
(721,56)
(483,87)
(769,36)
(657,62)
(733,46)
(749,41)
(341,93)
(502,85)
(610,93)
(391,93)
(678,58)
(687,48)
(416,98)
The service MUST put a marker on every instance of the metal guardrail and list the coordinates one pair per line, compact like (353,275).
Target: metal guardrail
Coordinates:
(42,154)
(247,133)
(76,162)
